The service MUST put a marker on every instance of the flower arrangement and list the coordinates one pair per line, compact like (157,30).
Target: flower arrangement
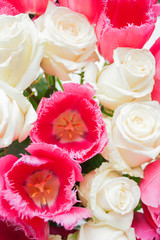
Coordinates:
(79,142)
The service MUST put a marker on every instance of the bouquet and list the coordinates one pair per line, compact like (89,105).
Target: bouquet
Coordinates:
(79,120)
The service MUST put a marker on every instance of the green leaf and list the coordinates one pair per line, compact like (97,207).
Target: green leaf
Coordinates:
(136,179)
(72,236)
(139,206)
(92,163)
(41,88)
(107,112)
(2,152)
(17,148)
(82,77)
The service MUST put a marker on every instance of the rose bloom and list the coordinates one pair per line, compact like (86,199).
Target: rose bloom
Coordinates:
(11,226)
(123,24)
(92,231)
(70,41)
(21,51)
(111,197)
(143,229)
(155,50)
(17,115)
(129,77)
(71,120)
(91,10)
(41,185)
(150,195)
(134,134)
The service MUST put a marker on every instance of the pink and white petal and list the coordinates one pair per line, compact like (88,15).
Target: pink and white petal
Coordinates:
(8,8)
(70,219)
(86,90)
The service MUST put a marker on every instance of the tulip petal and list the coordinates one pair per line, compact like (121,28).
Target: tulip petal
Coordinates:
(91,10)
(123,24)
(151,181)
(143,230)
(155,49)
(70,218)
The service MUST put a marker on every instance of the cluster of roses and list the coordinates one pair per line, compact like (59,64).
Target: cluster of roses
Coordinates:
(69,128)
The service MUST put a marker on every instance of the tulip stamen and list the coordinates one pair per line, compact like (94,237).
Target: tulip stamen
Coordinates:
(69,127)
(42,186)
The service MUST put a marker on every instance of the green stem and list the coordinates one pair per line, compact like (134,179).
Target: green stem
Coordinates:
(109,113)
(60,84)
(31,95)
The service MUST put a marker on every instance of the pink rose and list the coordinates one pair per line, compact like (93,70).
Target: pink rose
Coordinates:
(125,24)
(91,9)
(155,50)
(72,121)
(41,185)
(150,194)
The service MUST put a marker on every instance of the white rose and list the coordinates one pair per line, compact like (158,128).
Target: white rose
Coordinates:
(91,231)
(16,115)
(111,197)
(130,77)
(70,41)
(134,134)
(21,51)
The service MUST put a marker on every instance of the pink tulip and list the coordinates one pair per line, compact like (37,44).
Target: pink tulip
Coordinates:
(125,23)
(72,121)
(23,229)
(11,225)
(32,6)
(41,185)
(143,229)
(155,49)
(90,8)
(24,6)
(150,195)
(7,8)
